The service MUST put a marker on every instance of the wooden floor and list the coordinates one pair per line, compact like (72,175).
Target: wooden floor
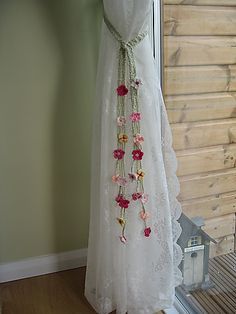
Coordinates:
(59,293)
(221,298)
(62,293)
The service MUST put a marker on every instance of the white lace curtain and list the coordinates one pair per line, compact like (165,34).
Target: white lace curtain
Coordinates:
(138,276)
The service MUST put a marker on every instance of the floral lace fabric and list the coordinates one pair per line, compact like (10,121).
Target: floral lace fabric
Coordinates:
(139,276)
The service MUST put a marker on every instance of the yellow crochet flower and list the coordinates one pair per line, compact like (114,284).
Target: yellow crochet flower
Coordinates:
(122,138)
(121,221)
(140,174)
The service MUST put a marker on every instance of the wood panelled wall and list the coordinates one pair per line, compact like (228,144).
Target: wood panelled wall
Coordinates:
(200,95)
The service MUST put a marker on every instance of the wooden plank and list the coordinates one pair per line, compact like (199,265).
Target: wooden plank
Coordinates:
(207,184)
(202,134)
(224,261)
(228,301)
(199,20)
(202,2)
(231,282)
(189,298)
(200,107)
(232,259)
(223,288)
(220,227)
(199,50)
(221,298)
(224,271)
(199,160)
(208,305)
(199,79)
(224,245)
(210,206)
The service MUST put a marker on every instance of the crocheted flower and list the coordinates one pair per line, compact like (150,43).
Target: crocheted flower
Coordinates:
(122,181)
(119,198)
(122,138)
(137,154)
(132,177)
(121,221)
(118,153)
(136,196)
(144,215)
(123,239)
(135,116)
(138,139)
(123,203)
(144,198)
(115,178)
(147,232)
(122,90)
(121,121)
(136,83)
(140,174)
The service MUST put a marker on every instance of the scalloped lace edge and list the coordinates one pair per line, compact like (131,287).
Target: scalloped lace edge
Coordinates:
(170,161)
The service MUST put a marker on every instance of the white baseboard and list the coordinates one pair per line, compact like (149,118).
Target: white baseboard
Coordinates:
(42,265)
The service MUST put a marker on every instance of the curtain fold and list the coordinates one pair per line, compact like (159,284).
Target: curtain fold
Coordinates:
(138,276)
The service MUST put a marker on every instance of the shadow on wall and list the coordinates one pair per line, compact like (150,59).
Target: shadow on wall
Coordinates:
(77,27)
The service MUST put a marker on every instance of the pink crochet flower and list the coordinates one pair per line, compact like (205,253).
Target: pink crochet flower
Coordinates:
(136,83)
(136,196)
(137,154)
(144,198)
(135,117)
(118,153)
(122,90)
(115,178)
(147,232)
(144,215)
(122,181)
(123,239)
(138,139)
(121,121)
(133,177)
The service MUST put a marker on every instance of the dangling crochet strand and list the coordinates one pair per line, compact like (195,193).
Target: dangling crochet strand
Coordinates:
(126,59)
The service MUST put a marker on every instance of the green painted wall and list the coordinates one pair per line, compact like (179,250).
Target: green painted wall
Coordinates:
(48,58)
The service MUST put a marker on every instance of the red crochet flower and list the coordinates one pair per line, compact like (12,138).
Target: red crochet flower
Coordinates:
(122,90)
(147,232)
(123,203)
(119,198)
(136,196)
(137,154)
(118,153)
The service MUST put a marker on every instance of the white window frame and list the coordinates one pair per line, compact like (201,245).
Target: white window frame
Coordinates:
(156,31)
(156,35)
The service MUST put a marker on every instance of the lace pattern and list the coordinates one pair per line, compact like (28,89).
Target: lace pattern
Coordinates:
(138,277)
(170,162)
